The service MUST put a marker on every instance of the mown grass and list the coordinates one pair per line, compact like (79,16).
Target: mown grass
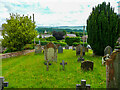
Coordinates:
(29,71)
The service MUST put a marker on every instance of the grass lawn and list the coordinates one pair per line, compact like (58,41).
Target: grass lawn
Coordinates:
(29,71)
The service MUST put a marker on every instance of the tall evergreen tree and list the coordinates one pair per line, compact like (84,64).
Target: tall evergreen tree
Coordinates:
(102,28)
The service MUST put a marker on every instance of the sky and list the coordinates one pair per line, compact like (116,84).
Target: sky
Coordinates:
(53,12)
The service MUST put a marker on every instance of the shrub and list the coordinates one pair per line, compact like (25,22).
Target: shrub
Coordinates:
(61,43)
(75,43)
(71,40)
(51,38)
(29,46)
(44,43)
(85,44)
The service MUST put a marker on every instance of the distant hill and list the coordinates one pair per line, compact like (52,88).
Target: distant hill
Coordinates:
(60,28)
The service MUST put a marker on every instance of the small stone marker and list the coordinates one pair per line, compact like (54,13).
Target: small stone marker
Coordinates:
(38,49)
(83,86)
(108,50)
(2,83)
(66,47)
(60,49)
(47,64)
(87,65)
(63,64)
(50,52)
(113,71)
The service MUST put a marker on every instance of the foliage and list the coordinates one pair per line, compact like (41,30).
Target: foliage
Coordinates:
(58,35)
(85,44)
(28,46)
(61,43)
(75,43)
(103,28)
(71,40)
(44,42)
(18,31)
(51,38)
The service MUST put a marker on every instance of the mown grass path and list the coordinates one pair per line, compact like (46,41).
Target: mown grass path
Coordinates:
(29,71)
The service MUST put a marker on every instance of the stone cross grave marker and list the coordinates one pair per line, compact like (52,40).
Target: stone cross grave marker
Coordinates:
(2,83)
(60,49)
(87,65)
(50,52)
(63,64)
(113,71)
(38,49)
(66,47)
(108,50)
(83,86)
(47,64)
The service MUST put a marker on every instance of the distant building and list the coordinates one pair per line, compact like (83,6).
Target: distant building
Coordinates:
(69,35)
(45,32)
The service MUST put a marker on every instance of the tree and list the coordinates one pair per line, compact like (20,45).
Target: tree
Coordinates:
(18,31)
(102,28)
(58,35)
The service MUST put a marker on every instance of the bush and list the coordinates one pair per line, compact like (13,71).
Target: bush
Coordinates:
(71,40)
(117,47)
(61,43)
(51,38)
(28,46)
(75,43)
(85,44)
(7,51)
(44,43)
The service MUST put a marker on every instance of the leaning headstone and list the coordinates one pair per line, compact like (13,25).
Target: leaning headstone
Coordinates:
(50,52)
(87,65)
(78,49)
(113,71)
(83,86)
(60,49)
(108,50)
(66,47)
(38,49)
(63,64)
(2,83)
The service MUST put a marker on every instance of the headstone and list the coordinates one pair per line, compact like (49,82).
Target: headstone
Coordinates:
(78,49)
(60,49)
(87,65)
(2,83)
(63,64)
(108,50)
(83,86)
(83,51)
(66,47)
(50,52)
(113,71)
(47,64)
(38,49)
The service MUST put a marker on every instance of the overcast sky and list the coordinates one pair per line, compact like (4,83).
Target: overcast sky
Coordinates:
(53,12)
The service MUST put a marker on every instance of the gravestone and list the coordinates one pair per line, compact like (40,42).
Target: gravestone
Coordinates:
(78,50)
(47,64)
(60,49)
(38,49)
(83,51)
(66,47)
(2,83)
(113,71)
(63,64)
(87,65)
(83,86)
(50,52)
(108,50)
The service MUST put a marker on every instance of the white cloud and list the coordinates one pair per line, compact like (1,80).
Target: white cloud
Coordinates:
(52,12)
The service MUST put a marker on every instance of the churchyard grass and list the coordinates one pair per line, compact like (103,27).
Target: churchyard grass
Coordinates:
(29,71)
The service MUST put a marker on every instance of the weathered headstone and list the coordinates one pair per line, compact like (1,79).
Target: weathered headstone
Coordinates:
(113,71)
(60,49)
(83,86)
(50,52)
(38,49)
(47,64)
(78,50)
(87,65)
(2,83)
(66,47)
(63,64)
(108,50)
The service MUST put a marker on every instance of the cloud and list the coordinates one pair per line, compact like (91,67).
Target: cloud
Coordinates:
(52,12)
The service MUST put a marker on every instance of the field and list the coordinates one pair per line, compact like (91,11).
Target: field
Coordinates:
(29,71)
